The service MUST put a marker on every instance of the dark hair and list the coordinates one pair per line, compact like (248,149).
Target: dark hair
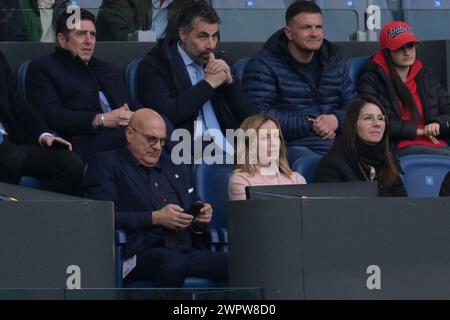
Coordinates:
(298,7)
(400,88)
(200,10)
(61,24)
(349,136)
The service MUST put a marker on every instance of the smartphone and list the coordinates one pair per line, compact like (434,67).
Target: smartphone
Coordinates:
(59,145)
(194,210)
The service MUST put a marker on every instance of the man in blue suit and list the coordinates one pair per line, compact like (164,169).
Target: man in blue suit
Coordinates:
(82,98)
(151,196)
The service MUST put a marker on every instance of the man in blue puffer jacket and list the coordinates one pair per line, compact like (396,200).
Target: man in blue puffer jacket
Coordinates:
(300,79)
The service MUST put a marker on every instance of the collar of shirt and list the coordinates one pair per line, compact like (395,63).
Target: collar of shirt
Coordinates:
(157,4)
(194,70)
(186,58)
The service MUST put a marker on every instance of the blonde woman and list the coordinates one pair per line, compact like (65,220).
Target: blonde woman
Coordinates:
(261,157)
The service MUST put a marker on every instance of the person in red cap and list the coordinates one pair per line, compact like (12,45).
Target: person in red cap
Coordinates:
(417,105)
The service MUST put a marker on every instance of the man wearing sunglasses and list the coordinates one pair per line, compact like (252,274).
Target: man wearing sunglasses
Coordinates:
(151,197)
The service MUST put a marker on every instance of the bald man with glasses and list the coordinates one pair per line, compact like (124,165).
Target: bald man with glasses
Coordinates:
(151,196)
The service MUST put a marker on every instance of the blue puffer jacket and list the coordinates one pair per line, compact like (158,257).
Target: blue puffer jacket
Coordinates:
(281,89)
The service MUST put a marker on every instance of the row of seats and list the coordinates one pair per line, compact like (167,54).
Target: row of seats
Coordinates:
(424,171)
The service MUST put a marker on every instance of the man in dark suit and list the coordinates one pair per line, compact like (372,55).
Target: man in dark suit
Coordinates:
(120,20)
(20,154)
(182,78)
(151,196)
(80,97)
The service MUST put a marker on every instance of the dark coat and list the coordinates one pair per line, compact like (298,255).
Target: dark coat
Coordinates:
(282,90)
(435,101)
(117,19)
(12,24)
(21,121)
(164,84)
(115,176)
(340,166)
(65,91)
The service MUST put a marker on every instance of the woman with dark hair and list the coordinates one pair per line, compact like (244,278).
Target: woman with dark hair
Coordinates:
(361,152)
(260,157)
(417,105)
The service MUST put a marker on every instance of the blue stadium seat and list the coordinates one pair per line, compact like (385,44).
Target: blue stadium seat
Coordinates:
(211,184)
(239,67)
(22,77)
(307,167)
(26,181)
(132,78)
(248,4)
(355,66)
(423,174)
(30,182)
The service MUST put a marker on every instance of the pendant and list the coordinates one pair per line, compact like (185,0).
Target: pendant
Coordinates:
(372,173)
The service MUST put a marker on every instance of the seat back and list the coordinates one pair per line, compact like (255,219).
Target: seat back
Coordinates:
(131,75)
(211,184)
(355,66)
(307,167)
(239,67)
(423,174)
(30,182)
(22,78)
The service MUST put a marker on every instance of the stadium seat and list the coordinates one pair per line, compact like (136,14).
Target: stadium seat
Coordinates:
(30,182)
(307,167)
(26,181)
(132,78)
(355,66)
(239,67)
(423,174)
(211,184)
(22,77)
(248,4)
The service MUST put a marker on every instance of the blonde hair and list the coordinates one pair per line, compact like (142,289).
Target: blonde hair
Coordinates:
(243,161)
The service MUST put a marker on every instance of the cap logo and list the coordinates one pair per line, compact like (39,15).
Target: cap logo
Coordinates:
(394,32)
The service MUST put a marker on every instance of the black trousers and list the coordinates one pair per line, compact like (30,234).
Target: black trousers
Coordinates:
(168,268)
(60,170)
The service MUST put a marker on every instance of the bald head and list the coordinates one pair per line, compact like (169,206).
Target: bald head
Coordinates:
(145,117)
(145,136)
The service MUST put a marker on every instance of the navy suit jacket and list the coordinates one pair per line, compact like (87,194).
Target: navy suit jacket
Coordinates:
(165,85)
(115,176)
(21,121)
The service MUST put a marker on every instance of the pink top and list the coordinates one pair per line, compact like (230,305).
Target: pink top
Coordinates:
(240,180)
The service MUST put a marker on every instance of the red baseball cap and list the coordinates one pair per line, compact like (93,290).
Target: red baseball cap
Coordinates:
(396,34)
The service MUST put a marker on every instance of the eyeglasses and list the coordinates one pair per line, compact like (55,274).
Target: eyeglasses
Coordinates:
(151,140)
(370,118)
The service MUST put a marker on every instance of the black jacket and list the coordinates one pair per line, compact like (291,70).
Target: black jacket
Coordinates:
(116,176)
(21,121)
(117,19)
(164,85)
(435,101)
(340,166)
(66,91)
